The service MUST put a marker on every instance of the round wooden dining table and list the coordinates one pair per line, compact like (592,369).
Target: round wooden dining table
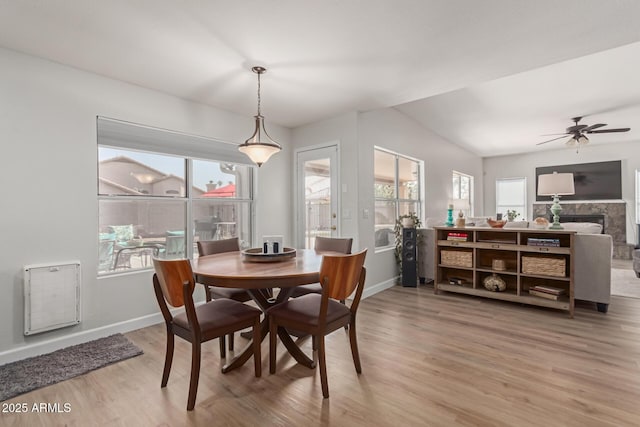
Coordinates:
(232,270)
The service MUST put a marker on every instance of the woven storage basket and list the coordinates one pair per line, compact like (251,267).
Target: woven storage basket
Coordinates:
(544,265)
(457,258)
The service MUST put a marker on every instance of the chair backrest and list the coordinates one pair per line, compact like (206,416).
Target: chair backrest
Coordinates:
(341,274)
(174,246)
(172,275)
(210,247)
(333,244)
(106,252)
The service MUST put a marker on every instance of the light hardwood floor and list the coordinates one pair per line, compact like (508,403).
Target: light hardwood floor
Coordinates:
(441,360)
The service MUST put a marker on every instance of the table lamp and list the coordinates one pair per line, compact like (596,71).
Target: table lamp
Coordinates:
(460,205)
(556,185)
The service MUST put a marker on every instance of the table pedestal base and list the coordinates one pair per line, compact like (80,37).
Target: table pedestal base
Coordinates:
(264,302)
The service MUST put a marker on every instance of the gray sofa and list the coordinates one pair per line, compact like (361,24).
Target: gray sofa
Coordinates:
(592,265)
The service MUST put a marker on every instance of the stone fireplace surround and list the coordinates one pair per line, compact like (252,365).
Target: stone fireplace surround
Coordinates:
(615,220)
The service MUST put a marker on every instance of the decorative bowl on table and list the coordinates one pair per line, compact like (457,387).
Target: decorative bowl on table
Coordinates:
(257,255)
(496,223)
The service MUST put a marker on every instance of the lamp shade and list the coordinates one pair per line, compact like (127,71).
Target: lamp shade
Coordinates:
(459,204)
(260,146)
(560,184)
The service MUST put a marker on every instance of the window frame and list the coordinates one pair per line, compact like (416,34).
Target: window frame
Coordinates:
(396,199)
(189,199)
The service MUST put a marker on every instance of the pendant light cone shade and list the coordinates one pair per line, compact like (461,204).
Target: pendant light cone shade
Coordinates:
(259,147)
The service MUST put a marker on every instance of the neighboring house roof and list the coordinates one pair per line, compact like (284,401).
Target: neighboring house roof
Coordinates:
(161,176)
(125,159)
(226,191)
(120,187)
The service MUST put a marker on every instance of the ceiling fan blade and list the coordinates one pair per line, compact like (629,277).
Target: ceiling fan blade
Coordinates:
(610,130)
(553,134)
(554,139)
(592,127)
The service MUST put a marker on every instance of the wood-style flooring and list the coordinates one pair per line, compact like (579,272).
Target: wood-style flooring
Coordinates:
(427,360)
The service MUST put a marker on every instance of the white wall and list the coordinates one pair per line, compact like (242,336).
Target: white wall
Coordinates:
(341,130)
(49,184)
(524,165)
(391,129)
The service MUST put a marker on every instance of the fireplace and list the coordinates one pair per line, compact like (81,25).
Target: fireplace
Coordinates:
(611,215)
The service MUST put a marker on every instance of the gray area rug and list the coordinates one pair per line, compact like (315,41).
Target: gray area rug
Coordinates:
(625,283)
(35,372)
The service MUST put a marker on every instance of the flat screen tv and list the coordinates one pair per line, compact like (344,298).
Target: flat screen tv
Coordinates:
(593,181)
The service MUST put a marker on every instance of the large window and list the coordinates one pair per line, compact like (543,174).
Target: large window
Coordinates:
(397,192)
(638,198)
(463,192)
(156,204)
(511,195)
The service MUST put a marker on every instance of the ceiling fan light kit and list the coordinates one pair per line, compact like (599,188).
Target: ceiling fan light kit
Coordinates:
(578,133)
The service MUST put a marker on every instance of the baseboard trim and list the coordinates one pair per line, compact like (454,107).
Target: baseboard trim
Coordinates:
(379,287)
(36,349)
(58,343)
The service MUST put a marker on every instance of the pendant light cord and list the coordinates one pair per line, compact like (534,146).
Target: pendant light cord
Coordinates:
(259,93)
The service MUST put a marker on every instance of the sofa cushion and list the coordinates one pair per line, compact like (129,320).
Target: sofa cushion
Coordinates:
(583,227)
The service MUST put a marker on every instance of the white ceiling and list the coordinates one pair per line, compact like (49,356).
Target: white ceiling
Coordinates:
(489,75)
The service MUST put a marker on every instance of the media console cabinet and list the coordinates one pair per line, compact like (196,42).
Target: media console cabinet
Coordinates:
(525,259)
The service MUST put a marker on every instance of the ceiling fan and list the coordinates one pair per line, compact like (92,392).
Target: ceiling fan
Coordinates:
(578,133)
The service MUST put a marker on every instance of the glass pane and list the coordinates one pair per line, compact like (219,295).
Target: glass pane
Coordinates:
(212,179)
(407,208)
(408,174)
(456,186)
(384,169)
(510,192)
(465,185)
(131,231)
(385,220)
(317,199)
(134,173)
(217,219)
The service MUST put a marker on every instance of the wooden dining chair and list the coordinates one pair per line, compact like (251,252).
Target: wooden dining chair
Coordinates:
(210,247)
(319,315)
(331,244)
(174,283)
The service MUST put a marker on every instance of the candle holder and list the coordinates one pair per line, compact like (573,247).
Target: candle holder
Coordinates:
(449,222)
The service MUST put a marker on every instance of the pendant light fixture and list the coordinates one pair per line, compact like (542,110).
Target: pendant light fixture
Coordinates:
(259,147)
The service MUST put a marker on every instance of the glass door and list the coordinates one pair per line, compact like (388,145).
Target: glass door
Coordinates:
(317,207)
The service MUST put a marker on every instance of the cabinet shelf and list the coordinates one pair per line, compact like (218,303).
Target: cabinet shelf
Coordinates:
(486,246)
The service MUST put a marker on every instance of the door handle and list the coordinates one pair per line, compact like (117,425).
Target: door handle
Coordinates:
(334,228)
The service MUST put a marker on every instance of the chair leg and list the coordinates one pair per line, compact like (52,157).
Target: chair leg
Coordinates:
(231,339)
(223,345)
(257,357)
(354,346)
(314,343)
(322,362)
(273,342)
(343,302)
(195,375)
(168,358)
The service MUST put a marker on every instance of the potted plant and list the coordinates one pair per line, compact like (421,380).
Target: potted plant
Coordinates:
(512,214)
(409,220)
